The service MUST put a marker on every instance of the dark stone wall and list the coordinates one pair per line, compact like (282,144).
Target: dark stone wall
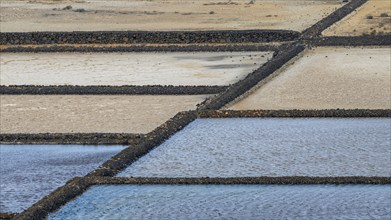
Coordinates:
(239,88)
(368,40)
(110,90)
(316,29)
(68,138)
(121,37)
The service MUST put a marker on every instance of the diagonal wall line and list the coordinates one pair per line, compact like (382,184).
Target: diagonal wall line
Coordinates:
(316,29)
(285,54)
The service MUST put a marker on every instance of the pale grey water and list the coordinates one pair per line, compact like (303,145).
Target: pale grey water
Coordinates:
(29,172)
(230,202)
(242,147)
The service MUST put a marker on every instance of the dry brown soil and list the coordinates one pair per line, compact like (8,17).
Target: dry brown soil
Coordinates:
(174,68)
(374,17)
(89,113)
(326,78)
(101,15)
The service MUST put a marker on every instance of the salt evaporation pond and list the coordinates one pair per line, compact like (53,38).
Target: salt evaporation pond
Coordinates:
(87,69)
(239,147)
(90,113)
(29,172)
(326,78)
(230,202)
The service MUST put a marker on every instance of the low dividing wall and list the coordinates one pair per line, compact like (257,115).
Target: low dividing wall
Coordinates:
(77,138)
(368,40)
(286,53)
(7,215)
(120,37)
(110,90)
(316,29)
(152,140)
(327,113)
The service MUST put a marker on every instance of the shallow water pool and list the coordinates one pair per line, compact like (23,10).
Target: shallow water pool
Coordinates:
(29,172)
(240,147)
(230,202)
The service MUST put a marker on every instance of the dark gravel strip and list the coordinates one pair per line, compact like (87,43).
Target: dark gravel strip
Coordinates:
(110,90)
(367,40)
(246,180)
(152,140)
(334,113)
(136,48)
(70,138)
(285,53)
(158,37)
(316,29)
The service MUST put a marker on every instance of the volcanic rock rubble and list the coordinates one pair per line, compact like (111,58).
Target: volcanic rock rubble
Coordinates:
(167,110)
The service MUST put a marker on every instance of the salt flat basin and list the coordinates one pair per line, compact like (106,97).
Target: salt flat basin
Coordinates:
(90,113)
(361,22)
(251,147)
(230,202)
(161,15)
(84,69)
(326,78)
(29,172)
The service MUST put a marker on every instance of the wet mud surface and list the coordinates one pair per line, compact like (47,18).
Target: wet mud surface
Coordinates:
(125,69)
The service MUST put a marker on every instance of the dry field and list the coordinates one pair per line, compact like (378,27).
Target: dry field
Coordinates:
(120,15)
(374,17)
(327,78)
(178,69)
(89,114)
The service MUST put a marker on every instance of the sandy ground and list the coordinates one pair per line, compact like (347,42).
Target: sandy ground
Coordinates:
(327,78)
(252,147)
(30,172)
(358,23)
(202,68)
(99,15)
(250,202)
(85,114)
